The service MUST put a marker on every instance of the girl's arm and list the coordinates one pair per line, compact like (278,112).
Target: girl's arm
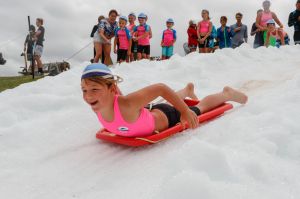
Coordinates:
(280,33)
(141,98)
(267,39)
(101,33)
(115,44)
(277,20)
(129,48)
(258,20)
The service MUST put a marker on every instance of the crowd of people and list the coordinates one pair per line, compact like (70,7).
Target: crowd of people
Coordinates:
(132,42)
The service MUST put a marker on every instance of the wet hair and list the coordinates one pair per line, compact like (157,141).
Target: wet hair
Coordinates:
(260,10)
(204,10)
(100,18)
(99,80)
(113,11)
(40,20)
(223,18)
(239,14)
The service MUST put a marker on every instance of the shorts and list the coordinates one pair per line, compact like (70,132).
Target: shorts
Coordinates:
(122,54)
(205,43)
(144,49)
(167,51)
(98,39)
(134,47)
(38,50)
(286,41)
(173,114)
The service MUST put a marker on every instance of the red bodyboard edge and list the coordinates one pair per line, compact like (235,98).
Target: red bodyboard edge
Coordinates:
(103,134)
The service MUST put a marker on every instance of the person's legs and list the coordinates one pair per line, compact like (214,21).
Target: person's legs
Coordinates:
(107,50)
(98,48)
(228,94)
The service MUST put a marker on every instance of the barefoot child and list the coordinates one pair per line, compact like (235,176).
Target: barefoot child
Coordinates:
(126,115)
(204,29)
(123,38)
(168,40)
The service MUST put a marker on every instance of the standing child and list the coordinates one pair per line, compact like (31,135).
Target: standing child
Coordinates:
(141,35)
(278,34)
(123,38)
(131,26)
(192,36)
(126,115)
(224,34)
(168,40)
(204,29)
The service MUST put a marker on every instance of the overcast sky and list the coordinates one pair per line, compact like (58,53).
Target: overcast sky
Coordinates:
(68,23)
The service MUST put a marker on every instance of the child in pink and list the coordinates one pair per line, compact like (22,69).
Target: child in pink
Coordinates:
(142,36)
(168,40)
(123,38)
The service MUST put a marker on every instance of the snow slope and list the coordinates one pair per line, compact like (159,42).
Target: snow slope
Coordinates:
(48,147)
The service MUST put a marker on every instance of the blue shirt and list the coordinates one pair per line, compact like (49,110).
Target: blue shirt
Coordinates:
(224,37)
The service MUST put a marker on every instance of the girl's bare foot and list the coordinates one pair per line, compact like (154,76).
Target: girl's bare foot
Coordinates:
(235,95)
(190,91)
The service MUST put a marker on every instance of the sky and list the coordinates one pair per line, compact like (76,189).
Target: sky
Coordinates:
(68,23)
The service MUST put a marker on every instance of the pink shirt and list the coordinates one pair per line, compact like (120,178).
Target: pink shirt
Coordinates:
(143,126)
(169,36)
(266,16)
(124,38)
(140,30)
(131,27)
(203,26)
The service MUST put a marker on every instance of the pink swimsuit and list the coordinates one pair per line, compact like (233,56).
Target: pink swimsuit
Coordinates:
(143,126)
(203,26)
(266,16)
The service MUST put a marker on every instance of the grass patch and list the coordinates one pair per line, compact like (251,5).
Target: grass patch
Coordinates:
(12,82)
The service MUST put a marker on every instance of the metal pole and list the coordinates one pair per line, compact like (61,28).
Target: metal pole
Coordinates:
(32,53)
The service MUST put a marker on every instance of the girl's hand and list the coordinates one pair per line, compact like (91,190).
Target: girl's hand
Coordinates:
(190,117)
(115,51)
(202,41)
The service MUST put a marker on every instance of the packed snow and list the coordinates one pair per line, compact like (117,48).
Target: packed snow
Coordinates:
(48,147)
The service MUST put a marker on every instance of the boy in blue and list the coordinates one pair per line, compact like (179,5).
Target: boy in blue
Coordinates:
(168,40)
(224,34)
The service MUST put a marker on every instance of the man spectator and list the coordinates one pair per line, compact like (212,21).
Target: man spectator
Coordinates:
(294,20)
(240,31)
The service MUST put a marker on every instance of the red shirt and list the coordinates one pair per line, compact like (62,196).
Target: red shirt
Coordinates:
(193,37)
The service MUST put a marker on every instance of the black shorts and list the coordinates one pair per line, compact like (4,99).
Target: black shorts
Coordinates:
(173,114)
(122,54)
(205,43)
(134,47)
(144,49)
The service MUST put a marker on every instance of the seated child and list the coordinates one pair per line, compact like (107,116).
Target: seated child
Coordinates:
(277,34)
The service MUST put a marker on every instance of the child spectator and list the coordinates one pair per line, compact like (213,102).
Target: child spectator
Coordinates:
(168,40)
(192,36)
(204,30)
(224,34)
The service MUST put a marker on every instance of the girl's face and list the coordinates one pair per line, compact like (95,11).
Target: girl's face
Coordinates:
(169,25)
(271,27)
(122,23)
(142,21)
(266,5)
(131,18)
(204,15)
(113,17)
(96,95)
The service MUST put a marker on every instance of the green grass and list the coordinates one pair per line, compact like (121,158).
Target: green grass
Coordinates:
(12,82)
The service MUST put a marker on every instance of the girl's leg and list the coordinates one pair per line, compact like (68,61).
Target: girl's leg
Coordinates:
(107,49)
(187,91)
(98,48)
(228,94)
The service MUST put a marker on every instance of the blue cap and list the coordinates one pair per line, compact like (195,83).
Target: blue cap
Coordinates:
(271,21)
(142,15)
(97,70)
(123,17)
(132,14)
(170,20)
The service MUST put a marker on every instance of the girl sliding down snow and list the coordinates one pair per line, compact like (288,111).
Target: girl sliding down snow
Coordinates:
(127,116)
